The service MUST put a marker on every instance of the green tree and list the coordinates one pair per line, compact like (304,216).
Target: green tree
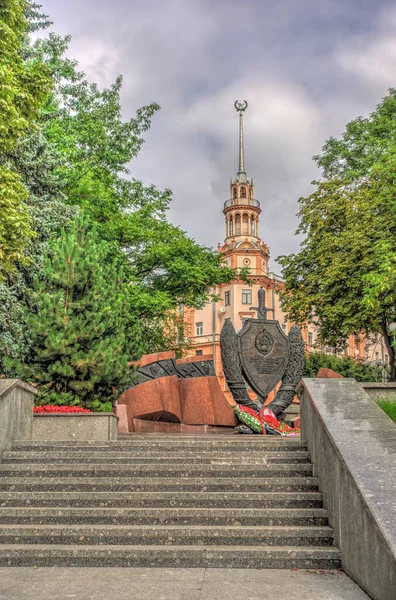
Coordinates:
(24,86)
(347,367)
(78,160)
(80,348)
(35,161)
(85,126)
(344,277)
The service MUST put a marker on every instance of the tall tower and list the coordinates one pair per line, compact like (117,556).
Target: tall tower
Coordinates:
(242,245)
(241,249)
(242,210)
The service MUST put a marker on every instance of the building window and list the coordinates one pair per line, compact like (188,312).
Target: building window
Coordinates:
(310,339)
(237,224)
(243,192)
(245,224)
(227,298)
(246,296)
(198,352)
(199,328)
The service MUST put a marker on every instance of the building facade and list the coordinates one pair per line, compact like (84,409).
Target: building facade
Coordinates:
(243,247)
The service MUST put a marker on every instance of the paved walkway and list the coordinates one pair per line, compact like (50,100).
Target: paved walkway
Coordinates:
(174,584)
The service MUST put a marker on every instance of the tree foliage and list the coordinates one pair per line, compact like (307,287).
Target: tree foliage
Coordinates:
(24,87)
(79,351)
(77,161)
(344,277)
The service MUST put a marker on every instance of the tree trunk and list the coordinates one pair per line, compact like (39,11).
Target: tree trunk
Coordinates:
(390,350)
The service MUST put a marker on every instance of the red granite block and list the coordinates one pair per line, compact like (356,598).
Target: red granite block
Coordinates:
(122,414)
(328,374)
(155,399)
(203,403)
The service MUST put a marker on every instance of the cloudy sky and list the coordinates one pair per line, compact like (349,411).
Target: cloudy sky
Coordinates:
(306,67)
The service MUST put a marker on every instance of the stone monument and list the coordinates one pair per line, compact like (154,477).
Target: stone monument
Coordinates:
(261,355)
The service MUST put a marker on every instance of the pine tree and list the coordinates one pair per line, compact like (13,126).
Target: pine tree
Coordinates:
(79,329)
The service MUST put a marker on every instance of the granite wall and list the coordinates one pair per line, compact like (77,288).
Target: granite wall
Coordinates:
(352,443)
(81,427)
(381,390)
(16,412)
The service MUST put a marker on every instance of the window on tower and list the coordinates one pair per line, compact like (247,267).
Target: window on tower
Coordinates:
(245,223)
(234,193)
(246,296)
(237,224)
(243,192)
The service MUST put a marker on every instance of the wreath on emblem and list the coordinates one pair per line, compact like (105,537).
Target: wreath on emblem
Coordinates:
(264,342)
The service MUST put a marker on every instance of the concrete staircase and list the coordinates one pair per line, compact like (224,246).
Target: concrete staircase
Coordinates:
(164,501)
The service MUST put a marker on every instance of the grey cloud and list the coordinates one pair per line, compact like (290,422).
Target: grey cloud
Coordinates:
(306,67)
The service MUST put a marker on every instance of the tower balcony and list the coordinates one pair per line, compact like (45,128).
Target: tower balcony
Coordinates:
(241,202)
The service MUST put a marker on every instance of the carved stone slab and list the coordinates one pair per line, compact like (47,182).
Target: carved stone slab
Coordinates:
(263,349)
(195,369)
(154,370)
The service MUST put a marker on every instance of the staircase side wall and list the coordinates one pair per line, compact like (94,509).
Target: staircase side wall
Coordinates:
(352,444)
(81,427)
(16,412)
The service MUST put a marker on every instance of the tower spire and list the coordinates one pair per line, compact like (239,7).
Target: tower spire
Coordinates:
(241,106)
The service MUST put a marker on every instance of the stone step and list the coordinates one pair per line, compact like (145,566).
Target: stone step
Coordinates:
(168,535)
(154,470)
(275,557)
(131,437)
(173,446)
(145,484)
(37,515)
(236,500)
(65,457)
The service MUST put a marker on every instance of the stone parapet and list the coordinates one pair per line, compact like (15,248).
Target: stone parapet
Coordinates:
(16,412)
(82,427)
(352,444)
(380,390)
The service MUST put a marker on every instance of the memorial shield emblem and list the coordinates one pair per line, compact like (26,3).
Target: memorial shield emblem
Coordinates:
(263,350)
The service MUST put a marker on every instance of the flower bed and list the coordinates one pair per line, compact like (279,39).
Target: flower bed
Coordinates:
(50,408)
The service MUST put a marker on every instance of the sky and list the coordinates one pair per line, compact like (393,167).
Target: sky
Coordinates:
(305,67)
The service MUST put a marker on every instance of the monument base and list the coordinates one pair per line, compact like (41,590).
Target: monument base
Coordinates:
(146,426)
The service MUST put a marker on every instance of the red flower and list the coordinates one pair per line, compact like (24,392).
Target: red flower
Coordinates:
(50,408)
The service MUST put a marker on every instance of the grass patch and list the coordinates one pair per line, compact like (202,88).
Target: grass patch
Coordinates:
(389,407)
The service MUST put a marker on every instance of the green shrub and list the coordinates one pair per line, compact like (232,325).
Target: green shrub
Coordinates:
(347,367)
